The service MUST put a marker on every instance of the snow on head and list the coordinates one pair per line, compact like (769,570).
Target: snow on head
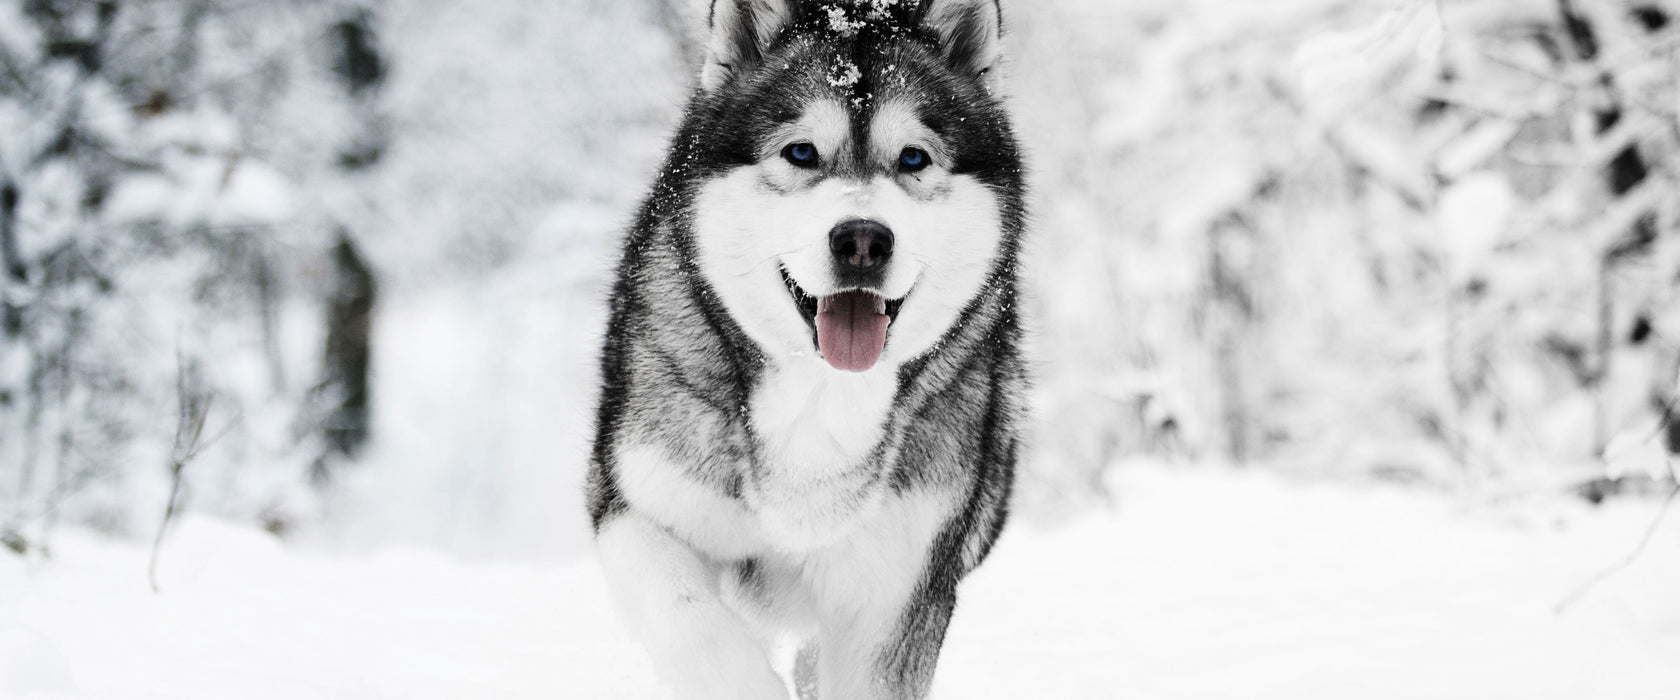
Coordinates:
(846,74)
(878,9)
(840,22)
(847,18)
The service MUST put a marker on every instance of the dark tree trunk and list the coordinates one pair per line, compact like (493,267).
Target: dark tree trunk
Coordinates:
(8,233)
(359,64)
(1672,427)
(361,70)
(11,261)
(348,351)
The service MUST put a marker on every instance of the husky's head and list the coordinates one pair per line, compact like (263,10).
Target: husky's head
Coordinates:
(855,180)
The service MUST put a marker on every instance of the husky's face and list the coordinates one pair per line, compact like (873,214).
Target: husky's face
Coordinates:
(854,173)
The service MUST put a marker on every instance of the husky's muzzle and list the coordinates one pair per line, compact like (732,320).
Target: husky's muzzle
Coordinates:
(849,328)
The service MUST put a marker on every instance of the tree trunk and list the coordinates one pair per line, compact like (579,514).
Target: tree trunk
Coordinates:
(361,70)
(348,351)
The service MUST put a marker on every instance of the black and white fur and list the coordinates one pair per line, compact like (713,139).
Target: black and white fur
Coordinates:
(743,491)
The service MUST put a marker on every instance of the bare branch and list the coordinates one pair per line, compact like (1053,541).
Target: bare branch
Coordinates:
(194,404)
(1581,591)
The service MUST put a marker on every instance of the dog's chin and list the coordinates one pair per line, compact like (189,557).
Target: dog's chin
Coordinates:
(848,328)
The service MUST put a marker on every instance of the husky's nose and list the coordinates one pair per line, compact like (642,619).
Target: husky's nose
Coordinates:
(860,245)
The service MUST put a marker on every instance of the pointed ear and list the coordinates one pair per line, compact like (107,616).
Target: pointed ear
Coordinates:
(970,31)
(739,31)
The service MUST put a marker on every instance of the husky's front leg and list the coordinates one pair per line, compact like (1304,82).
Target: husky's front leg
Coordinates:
(884,653)
(668,595)
(884,599)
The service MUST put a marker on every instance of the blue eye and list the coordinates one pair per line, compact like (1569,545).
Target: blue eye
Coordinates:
(801,154)
(912,159)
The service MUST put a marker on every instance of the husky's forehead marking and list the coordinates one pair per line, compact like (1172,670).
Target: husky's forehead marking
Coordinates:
(825,125)
(896,127)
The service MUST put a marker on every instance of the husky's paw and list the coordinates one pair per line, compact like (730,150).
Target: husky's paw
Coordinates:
(726,665)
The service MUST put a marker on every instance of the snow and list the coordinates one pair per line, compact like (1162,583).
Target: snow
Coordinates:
(1196,583)
(845,75)
(840,23)
(480,450)
(452,560)
(1472,213)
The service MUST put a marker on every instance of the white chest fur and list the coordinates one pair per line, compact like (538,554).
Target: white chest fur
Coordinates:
(813,420)
(816,427)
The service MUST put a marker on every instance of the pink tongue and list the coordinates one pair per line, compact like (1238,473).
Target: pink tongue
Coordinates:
(851,330)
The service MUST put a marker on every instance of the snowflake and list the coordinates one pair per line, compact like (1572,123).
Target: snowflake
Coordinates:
(846,74)
(841,23)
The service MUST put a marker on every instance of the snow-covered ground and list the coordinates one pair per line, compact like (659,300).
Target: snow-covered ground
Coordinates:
(1196,583)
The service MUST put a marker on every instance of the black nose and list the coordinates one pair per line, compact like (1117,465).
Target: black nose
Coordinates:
(860,245)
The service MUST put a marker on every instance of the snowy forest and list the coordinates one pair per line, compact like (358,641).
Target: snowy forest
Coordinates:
(308,295)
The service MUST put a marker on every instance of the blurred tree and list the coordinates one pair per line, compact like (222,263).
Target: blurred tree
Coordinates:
(351,285)
(1428,240)
(154,158)
(348,349)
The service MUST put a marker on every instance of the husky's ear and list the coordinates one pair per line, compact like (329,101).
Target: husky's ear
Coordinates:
(740,30)
(970,32)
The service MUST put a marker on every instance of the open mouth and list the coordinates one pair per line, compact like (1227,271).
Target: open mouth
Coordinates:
(848,328)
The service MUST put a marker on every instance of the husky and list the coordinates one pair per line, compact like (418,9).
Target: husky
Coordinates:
(812,377)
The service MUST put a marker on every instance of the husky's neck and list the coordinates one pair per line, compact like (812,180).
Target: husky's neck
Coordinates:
(815,420)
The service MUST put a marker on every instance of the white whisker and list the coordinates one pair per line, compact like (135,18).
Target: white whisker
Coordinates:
(752,269)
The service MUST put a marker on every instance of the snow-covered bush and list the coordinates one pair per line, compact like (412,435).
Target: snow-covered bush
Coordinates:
(161,164)
(1427,240)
